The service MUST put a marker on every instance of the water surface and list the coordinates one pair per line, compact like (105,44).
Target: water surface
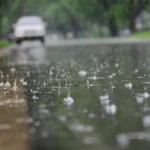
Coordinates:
(85,97)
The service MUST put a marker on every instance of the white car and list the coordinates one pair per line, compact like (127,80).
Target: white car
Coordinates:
(29,28)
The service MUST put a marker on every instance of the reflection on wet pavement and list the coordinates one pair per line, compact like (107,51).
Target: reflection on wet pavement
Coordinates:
(94,97)
(29,53)
(13,124)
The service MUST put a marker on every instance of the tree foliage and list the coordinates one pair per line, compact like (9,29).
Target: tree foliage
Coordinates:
(65,15)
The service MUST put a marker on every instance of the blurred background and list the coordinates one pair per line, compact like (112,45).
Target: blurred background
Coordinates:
(80,18)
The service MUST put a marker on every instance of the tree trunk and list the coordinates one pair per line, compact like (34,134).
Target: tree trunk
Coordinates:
(0,26)
(113,27)
(75,26)
(74,22)
(132,25)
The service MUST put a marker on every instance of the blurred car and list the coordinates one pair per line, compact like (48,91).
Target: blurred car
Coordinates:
(29,28)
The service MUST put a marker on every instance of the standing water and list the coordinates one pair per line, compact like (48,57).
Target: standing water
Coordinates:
(93,98)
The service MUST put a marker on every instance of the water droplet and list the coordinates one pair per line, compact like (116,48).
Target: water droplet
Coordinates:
(122,140)
(44,134)
(82,73)
(90,140)
(111,109)
(68,101)
(62,118)
(128,85)
(146,121)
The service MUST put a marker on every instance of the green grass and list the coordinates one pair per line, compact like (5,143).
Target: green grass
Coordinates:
(144,34)
(4,43)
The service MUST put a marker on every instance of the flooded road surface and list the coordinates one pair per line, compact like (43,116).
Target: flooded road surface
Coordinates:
(93,97)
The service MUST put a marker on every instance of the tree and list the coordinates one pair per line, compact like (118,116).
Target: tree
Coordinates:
(129,10)
(68,15)
(12,10)
(62,18)
(3,6)
(110,12)
(96,11)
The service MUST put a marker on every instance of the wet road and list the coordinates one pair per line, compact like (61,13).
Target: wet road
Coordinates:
(93,97)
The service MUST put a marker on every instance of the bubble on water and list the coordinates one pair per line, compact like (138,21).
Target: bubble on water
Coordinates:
(21,80)
(38,88)
(35,97)
(7,84)
(146,109)
(62,118)
(44,134)
(146,121)
(128,85)
(104,99)
(145,95)
(122,140)
(50,72)
(82,73)
(68,101)
(140,77)
(42,106)
(91,115)
(44,84)
(77,127)
(63,75)
(93,78)
(44,111)
(110,76)
(105,102)
(139,99)
(12,70)
(85,111)
(146,82)
(111,109)
(35,92)
(90,140)
(116,65)
(24,83)
(37,123)
(136,71)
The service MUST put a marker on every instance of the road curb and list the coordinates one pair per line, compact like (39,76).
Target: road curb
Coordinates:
(88,42)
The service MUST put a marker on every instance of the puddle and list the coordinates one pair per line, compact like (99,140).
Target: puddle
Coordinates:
(80,98)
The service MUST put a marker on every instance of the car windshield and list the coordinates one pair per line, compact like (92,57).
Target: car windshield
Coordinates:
(29,20)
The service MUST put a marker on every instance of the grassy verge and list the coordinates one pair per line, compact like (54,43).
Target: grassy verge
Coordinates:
(142,35)
(4,43)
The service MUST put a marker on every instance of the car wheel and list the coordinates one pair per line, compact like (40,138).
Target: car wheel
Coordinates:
(18,41)
(42,39)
